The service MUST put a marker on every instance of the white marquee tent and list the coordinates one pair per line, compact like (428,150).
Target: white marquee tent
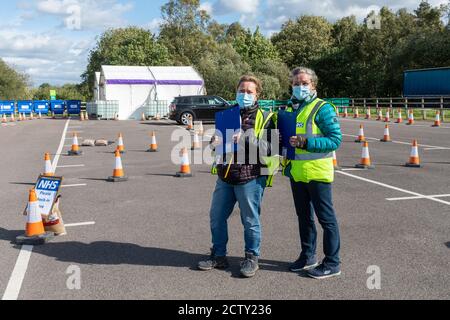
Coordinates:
(136,87)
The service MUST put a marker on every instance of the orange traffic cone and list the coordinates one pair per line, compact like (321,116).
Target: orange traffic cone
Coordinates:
(388,116)
(48,172)
(356,113)
(118,174)
(399,116)
(154,145)
(437,121)
(120,145)
(380,114)
(365,158)
(143,117)
(4,120)
(410,117)
(387,136)
(414,160)
(201,130)
(345,112)
(75,151)
(20,117)
(185,170)
(24,117)
(34,231)
(335,162)
(81,116)
(31,116)
(361,137)
(40,115)
(196,143)
(86,116)
(368,115)
(190,125)
(13,119)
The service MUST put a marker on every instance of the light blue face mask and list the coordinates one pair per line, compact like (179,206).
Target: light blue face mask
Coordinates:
(245,100)
(302,92)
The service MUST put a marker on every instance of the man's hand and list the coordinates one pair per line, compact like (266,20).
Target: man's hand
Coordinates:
(298,142)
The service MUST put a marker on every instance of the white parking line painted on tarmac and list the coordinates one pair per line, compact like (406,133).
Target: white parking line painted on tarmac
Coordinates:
(15,281)
(353,169)
(394,188)
(81,224)
(72,166)
(416,198)
(20,269)
(74,185)
(433,149)
(61,146)
(402,142)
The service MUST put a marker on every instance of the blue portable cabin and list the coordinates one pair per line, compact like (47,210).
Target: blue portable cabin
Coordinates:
(25,106)
(7,107)
(41,106)
(427,82)
(73,107)
(58,106)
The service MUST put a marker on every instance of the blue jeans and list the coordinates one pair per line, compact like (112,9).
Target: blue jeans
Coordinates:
(249,196)
(317,197)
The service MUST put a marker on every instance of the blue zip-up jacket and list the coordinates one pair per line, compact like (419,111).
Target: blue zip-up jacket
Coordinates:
(328,123)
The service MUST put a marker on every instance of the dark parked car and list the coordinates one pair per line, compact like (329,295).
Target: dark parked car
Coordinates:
(203,108)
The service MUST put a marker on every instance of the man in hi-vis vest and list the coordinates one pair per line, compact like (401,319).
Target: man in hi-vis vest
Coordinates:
(312,173)
(243,180)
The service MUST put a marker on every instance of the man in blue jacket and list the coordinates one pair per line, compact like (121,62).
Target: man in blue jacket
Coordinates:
(318,134)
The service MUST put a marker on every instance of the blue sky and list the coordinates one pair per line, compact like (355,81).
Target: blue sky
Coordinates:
(50,39)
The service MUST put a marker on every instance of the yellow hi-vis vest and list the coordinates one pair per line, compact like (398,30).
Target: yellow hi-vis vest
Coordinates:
(309,166)
(272,163)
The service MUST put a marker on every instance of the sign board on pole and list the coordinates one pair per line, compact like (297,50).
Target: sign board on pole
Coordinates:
(47,190)
(52,94)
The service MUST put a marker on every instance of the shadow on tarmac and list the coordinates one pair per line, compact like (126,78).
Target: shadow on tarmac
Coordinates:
(447,244)
(116,253)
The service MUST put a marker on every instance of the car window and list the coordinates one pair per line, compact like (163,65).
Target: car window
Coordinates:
(184,100)
(214,101)
(201,100)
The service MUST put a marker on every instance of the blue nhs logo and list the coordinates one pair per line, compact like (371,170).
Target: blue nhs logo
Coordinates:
(48,185)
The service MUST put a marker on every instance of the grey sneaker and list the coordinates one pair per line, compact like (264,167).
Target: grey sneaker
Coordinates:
(303,264)
(214,262)
(324,272)
(249,266)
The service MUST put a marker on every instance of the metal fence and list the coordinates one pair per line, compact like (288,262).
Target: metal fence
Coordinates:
(442,102)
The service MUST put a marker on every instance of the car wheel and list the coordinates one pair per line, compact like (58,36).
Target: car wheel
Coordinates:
(186,118)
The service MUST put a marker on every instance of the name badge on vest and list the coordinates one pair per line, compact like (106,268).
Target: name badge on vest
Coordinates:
(300,125)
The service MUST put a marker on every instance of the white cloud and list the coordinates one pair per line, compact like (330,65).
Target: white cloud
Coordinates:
(46,57)
(93,14)
(208,7)
(223,7)
(154,25)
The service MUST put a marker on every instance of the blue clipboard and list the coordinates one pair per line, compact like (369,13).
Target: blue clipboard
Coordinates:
(287,124)
(227,123)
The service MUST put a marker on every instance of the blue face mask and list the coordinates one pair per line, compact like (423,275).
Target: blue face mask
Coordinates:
(245,101)
(302,92)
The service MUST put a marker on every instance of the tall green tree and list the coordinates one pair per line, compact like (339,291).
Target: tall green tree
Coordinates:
(13,84)
(184,31)
(126,46)
(304,40)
